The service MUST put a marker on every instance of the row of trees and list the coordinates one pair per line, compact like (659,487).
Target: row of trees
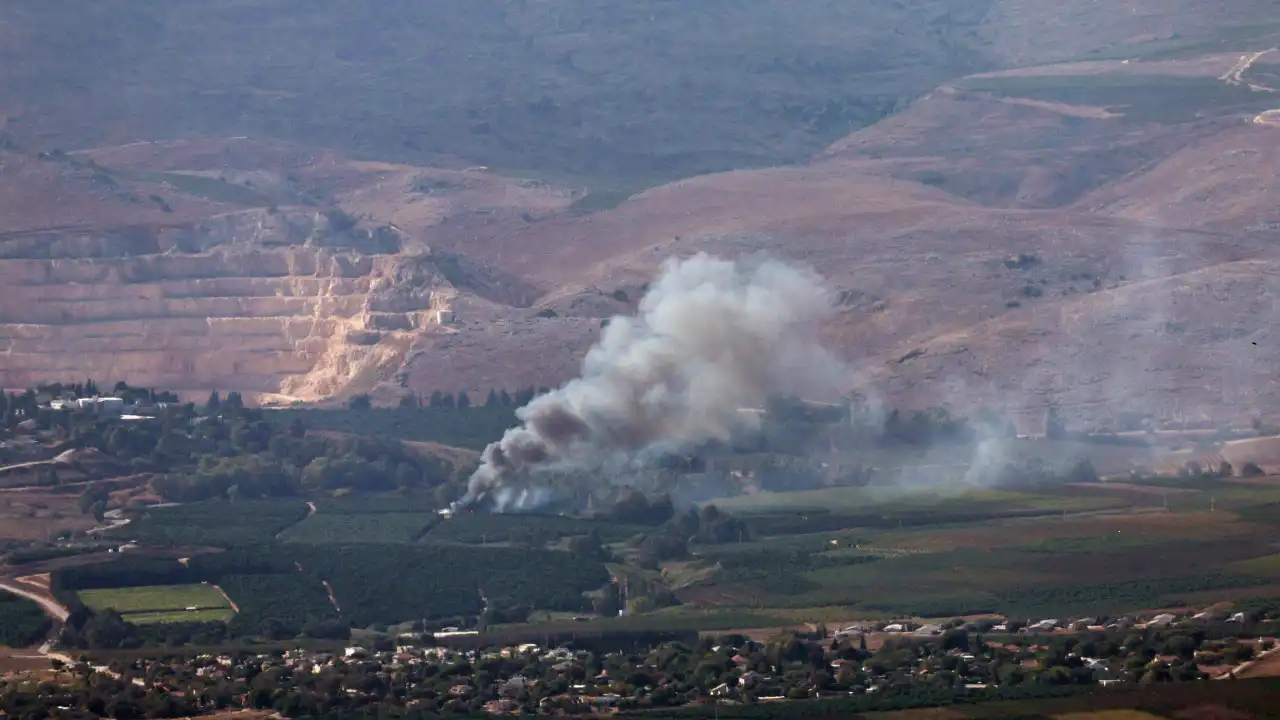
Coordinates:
(439,400)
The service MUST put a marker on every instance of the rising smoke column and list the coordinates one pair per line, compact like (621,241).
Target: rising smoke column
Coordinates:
(711,336)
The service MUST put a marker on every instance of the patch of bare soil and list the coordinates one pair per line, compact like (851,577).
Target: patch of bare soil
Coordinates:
(1267,666)
(37,515)
(24,664)
(1263,451)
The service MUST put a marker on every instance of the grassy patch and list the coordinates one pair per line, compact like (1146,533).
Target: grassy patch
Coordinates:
(154,598)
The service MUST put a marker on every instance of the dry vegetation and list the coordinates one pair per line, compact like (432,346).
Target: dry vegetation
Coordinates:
(1133,183)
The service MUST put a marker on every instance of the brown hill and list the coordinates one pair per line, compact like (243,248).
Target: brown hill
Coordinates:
(211,284)
(1097,235)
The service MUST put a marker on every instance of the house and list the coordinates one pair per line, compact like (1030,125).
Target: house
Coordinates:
(1162,620)
(102,405)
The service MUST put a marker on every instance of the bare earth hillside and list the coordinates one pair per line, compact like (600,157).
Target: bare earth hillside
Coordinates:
(1099,233)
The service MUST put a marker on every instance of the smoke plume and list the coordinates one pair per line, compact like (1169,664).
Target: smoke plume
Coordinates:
(710,337)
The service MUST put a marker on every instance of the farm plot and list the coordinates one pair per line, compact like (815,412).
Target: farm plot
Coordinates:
(219,523)
(942,507)
(292,603)
(154,599)
(484,529)
(324,528)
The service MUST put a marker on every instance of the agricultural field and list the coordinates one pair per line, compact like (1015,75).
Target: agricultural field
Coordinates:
(396,583)
(216,523)
(156,600)
(325,527)
(484,529)
(291,603)
(895,502)
(986,552)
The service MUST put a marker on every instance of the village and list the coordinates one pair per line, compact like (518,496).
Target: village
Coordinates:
(891,658)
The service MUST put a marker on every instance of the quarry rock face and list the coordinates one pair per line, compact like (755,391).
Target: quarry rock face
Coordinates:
(268,302)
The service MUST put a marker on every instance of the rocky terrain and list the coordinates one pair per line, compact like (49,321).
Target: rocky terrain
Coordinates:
(1097,234)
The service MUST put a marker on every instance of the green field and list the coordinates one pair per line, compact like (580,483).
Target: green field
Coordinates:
(895,502)
(215,523)
(359,528)
(154,598)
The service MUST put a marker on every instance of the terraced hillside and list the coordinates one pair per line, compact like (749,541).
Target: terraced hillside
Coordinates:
(1097,234)
(214,285)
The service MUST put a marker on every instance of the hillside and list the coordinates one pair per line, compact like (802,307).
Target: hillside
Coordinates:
(627,93)
(196,276)
(1015,205)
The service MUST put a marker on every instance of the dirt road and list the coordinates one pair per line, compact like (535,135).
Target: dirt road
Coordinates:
(234,607)
(1235,76)
(32,590)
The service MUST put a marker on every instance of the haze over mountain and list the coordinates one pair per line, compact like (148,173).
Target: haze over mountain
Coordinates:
(1017,202)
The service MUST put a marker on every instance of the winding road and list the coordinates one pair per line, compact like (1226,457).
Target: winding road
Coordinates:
(28,589)
(1235,76)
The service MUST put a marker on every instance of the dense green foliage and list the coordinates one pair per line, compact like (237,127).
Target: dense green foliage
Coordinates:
(218,523)
(281,605)
(479,528)
(42,553)
(1117,596)
(395,583)
(474,427)
(22,621)
(361,528)
(371,583)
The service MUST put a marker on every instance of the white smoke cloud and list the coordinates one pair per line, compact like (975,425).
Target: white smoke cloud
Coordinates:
(711,336)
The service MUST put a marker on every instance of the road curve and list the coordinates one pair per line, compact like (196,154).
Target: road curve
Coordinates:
(51,607)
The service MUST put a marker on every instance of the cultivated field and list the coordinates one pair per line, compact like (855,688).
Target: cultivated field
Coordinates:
(325,527)
(162,603)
